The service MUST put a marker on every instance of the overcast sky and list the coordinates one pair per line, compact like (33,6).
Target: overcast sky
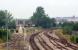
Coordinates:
(54,8)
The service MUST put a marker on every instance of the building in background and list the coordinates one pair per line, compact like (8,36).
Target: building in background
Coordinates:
(24,23)
(66,19)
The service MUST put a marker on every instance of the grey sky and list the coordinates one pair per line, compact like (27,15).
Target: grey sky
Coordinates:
(54,8)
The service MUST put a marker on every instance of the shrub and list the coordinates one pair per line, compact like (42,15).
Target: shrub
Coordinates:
(3,34)
(74,39)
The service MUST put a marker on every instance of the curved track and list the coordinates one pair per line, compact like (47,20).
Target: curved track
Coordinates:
(32,42)
(45,41)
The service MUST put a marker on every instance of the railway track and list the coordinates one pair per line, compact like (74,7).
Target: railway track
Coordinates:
(16,42)
(32,42)
(45,41)
(63,41)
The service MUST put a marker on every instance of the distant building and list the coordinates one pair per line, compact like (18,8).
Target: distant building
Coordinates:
(24,23)
(66,19)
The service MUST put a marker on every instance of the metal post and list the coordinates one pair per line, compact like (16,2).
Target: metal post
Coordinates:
(7,34)
(7,21)
(6,27)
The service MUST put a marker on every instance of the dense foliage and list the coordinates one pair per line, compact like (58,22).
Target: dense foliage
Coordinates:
(74,39)
(6,22)
(4,34)
(6,19)
(68,27)
(39,18)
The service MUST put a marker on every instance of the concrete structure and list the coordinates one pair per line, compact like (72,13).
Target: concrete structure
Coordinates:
(24,23)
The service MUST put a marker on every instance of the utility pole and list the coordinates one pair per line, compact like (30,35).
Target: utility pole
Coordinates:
(7,33)
(7,38)
(7,21)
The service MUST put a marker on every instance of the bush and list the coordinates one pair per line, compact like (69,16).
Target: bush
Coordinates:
(67,29)
(3,34)
(77,39)
(74,39)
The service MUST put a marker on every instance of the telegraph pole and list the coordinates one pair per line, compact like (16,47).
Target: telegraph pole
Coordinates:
(7,21)
(7,33)
(7,37)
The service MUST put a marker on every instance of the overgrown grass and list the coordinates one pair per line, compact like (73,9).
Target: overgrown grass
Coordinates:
(71,38)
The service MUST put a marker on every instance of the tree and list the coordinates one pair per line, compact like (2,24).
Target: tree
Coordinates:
(5,18)
(39,18)
(2,18)
(11,24)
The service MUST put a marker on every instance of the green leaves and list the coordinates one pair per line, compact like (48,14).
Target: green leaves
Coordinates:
(3,34)
(39,18)
(6,18)
(74,38)
(2,18)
